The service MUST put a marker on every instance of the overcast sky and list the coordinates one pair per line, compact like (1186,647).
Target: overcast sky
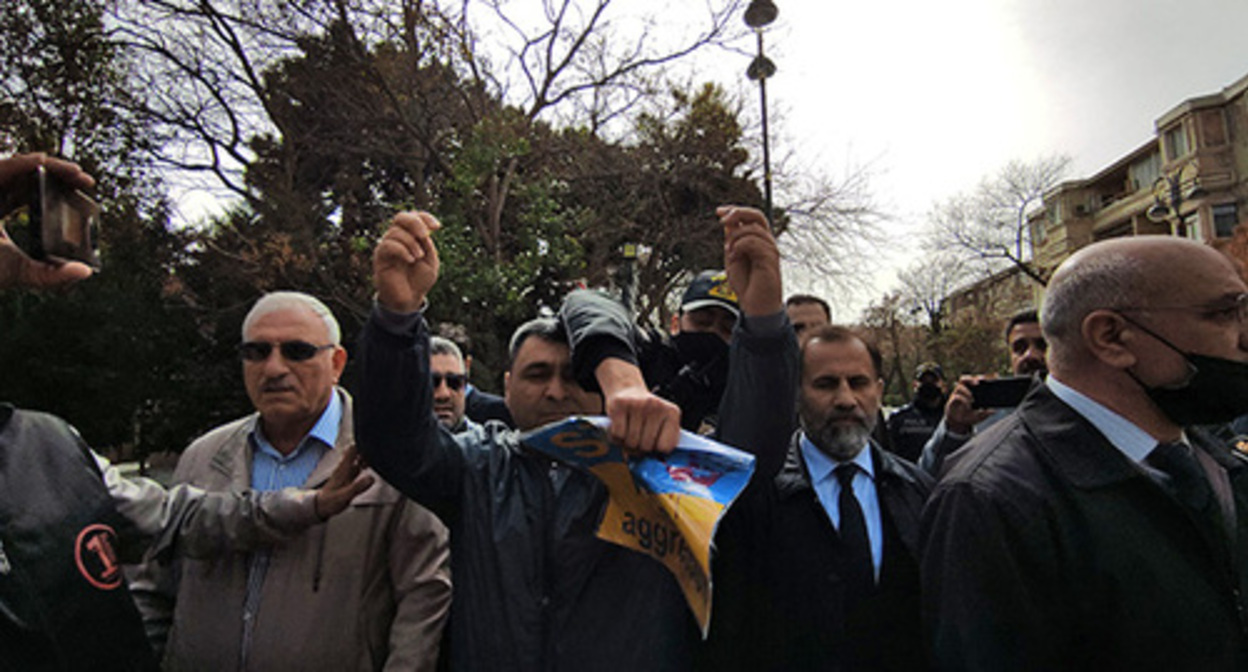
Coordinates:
(936,95)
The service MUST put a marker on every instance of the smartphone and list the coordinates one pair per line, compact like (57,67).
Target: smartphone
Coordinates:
(58,223)
(1000,392)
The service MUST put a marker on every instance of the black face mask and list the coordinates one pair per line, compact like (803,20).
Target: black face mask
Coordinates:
(700,347)
(1216,390)
(928,395)
(699,385)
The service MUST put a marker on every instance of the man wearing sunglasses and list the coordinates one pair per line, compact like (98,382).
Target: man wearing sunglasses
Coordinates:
(450,383)
(368,590)
(70,517)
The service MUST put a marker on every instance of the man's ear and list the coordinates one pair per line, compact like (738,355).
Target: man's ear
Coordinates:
(674,327)
(339,359)
(507,388)
(467,365)
(1107,335)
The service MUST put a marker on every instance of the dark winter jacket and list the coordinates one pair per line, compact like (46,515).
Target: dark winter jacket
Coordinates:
(63,600)
(1045,548)
(780,601)
(534,588)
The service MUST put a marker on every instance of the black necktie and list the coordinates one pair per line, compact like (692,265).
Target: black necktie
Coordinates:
(1187,480)
(859,569)
(1188,483)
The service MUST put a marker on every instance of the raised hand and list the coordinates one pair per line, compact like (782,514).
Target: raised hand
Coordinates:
(961,416)
(751,260)
(15,169)
(17,269)
(405,263)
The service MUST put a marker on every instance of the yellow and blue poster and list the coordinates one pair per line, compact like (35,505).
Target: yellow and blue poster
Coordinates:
(666,508)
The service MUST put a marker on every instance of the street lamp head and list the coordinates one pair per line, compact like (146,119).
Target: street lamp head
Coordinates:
(1159,212)
(760,13)
(760,68)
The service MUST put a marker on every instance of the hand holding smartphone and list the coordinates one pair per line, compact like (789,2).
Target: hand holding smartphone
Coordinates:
(56,222)
(1000,392)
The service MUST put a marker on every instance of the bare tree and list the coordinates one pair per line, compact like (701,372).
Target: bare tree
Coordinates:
(211,65)
(592,60)
(829,226)
(989,225)
(927,285)
(205,67)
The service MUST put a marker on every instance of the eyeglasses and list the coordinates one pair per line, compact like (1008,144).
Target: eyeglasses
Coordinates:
(1221,311)
(292,351)
(455,381)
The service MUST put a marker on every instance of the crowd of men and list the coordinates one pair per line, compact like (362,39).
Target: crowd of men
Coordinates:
(1095,524)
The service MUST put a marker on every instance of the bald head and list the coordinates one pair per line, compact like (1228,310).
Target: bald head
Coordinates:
(1133,272)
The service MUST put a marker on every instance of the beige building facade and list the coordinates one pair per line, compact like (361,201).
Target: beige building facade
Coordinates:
(1190,179)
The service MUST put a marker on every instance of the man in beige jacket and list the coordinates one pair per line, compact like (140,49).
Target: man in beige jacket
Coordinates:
(369,590)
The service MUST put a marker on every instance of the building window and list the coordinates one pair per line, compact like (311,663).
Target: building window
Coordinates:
(1038,229)
(1194,226)
(1145,172)
(1054,212)
(1177,144)
(1225,219)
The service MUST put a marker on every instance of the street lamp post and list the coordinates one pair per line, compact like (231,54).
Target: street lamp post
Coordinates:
(1169,193)
(760,14)
(628,278)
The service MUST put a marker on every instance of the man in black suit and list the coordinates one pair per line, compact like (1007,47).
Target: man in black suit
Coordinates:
(1090,530)
(816,565)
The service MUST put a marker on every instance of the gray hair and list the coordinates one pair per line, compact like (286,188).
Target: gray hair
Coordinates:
(1108,279)
(445,346)
(277,301)
(546,328)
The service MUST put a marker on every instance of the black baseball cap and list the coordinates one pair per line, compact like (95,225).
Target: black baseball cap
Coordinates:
(929,367)
(710,288)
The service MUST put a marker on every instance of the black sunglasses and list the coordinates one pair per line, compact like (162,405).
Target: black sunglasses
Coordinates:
(292,351)
(455,381)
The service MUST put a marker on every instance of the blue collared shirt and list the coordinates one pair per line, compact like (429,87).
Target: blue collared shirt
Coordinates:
(270,470)
(828,489)
(1129,439)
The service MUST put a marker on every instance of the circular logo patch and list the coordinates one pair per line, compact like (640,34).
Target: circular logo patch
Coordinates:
(96,556)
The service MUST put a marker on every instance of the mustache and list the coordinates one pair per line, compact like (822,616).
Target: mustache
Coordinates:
(275,385)
(1029,366)
(856,416)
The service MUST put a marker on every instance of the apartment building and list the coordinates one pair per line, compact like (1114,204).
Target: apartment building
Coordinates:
(1190,179)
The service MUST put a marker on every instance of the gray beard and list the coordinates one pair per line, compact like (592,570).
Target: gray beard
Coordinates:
(841,443)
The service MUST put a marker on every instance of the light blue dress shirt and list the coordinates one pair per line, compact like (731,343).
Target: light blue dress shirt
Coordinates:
(270,470)
(828,489)
(1129,439)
